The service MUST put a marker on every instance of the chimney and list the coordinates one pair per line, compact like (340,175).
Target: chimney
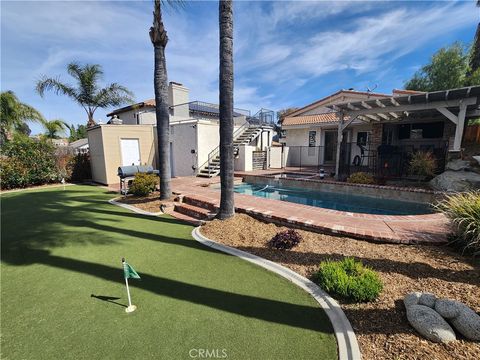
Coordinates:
(178,94)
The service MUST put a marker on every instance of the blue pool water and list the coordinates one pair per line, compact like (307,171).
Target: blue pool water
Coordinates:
(335,201)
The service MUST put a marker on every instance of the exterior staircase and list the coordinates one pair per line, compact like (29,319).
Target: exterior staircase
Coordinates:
(195,211)
(242,136)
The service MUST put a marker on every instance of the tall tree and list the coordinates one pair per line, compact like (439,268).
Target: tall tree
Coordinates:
(14,115)
(227,205)
(80,132)
(159,38)
(53,128)
(475,52)
(447,69)
(87,92)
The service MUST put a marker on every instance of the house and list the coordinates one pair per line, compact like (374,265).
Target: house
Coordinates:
(130,137)
(79,146)
(378,132)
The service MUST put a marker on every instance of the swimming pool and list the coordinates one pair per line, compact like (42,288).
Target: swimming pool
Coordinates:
(335,201)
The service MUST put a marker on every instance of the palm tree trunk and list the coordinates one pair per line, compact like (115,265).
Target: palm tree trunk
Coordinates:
(227,206)
(159,38)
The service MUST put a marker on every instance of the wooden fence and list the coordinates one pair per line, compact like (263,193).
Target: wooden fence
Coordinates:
(472,134)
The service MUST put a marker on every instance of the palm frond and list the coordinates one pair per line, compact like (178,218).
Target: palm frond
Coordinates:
(113,95)
(56,85)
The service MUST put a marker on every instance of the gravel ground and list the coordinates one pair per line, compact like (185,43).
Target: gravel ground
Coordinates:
(149,203)
(381,326)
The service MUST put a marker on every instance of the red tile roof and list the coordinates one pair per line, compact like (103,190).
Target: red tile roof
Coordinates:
(331,117)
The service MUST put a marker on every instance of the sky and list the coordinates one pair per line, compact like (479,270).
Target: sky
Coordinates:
(286,53)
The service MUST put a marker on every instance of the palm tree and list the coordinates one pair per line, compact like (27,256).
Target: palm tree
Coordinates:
(159,38)
(87,93)
(14,114)
(475,54)
(53,128)
(227,206)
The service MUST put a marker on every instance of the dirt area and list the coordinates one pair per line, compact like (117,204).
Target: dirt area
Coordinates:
(149,203)
(381,326)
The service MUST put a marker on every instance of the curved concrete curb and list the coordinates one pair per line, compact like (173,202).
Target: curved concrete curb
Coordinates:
(132,208)
(346,340)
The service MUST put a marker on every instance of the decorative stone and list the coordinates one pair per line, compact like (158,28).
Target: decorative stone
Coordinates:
(456,181)
(411,299)
(430,324)
(457,165)
(427,299)
(464,319)
(447,308)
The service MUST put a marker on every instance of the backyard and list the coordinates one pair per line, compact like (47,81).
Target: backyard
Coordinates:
(63,294)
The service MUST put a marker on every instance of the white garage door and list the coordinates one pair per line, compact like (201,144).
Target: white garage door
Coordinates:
(130,152)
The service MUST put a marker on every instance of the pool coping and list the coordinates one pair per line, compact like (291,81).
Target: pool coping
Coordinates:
(347,343)
(431,216)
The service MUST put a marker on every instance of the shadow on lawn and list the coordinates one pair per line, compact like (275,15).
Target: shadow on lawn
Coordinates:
(37,221)
(109,299)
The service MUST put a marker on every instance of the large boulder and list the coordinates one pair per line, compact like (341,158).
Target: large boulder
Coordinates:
(427,299)
(430,324)
(457,165)
(456,181)
(464,319)
(412,299)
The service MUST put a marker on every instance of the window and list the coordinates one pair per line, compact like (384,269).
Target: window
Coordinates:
(312,138)
(362,138)
(433,130)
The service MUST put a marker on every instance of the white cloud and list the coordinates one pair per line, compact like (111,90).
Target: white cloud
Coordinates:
(279,46)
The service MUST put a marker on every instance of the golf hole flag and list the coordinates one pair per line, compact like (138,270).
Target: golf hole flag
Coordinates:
(129,272)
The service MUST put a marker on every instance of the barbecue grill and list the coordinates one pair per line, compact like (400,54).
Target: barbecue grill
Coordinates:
(127,173)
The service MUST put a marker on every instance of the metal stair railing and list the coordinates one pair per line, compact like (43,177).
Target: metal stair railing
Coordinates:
(216,152)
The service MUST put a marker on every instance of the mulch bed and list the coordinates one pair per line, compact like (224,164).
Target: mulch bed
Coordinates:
(149,203)
(381,327)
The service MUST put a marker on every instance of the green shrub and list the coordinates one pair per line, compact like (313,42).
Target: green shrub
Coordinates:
(143,184)
(285,240)
(26,162)
(361,178)
(78,167)
(422,164)
(349,279)
(463,210)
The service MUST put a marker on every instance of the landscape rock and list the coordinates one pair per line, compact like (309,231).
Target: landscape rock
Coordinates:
(447,308)
(427,299)
(456,181)
(464,319)
(411,299)
(457,165)
(430,324)
(477,158)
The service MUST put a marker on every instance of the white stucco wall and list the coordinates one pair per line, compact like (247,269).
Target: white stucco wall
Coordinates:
(245,158)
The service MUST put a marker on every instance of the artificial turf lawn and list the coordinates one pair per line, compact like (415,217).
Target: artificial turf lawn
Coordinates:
(60,247)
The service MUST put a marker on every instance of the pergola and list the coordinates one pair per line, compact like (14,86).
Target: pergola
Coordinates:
(456,105)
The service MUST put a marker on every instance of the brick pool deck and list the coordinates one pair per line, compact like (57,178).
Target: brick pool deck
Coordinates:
(411,229)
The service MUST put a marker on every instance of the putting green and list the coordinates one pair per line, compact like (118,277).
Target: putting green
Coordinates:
(63,292)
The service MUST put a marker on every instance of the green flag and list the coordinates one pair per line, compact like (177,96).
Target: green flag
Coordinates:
(129,271)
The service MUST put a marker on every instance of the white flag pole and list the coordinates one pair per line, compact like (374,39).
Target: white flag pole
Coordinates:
(130,308)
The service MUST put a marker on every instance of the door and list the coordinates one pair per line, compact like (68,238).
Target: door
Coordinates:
(130,152)
(330,146)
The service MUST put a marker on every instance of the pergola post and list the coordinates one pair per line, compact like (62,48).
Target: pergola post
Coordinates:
(457,143)
(339,145)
